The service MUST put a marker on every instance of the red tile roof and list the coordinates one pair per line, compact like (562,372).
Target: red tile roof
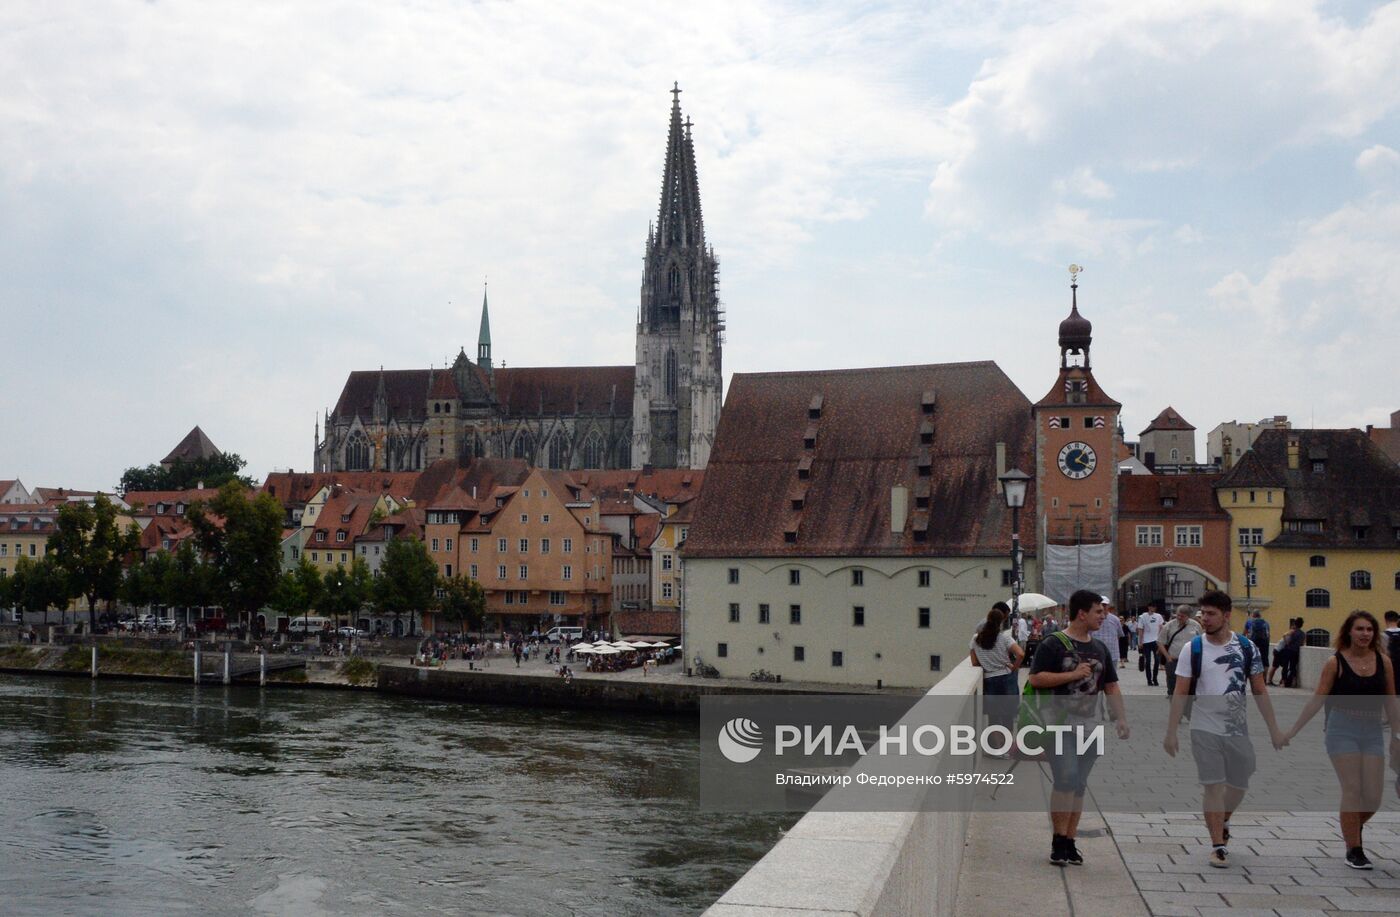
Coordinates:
(1094,396)
(294,488)
(443,385)
(868,441)
(1191,495)
(146,502)
(1169,419)
(671,485)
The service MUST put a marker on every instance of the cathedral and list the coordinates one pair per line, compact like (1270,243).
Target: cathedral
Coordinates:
(660,412)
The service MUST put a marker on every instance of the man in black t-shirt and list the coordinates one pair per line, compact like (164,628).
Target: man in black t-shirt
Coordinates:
(1077,669)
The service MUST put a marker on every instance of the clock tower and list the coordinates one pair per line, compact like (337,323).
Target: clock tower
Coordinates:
(1076,469)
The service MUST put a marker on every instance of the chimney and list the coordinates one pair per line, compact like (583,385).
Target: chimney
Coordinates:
(1292,453)
(1001,463)
(899,508)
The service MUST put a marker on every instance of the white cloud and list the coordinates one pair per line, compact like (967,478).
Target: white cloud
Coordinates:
(1378,163)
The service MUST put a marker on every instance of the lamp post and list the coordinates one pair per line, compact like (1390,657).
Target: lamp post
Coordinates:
(1171,586)
(1247,558)
(1014,484)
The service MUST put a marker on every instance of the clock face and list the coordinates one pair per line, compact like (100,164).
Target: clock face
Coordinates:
(1077,460)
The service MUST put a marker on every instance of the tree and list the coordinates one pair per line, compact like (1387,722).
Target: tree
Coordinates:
(188,580)
(145,583)
(37,585)
(464,601)
(90,549)
(241,540)
(298,590)
(215,471)
(346,591)
(407,578)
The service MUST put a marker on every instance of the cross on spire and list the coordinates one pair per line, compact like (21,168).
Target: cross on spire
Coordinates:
(676,94)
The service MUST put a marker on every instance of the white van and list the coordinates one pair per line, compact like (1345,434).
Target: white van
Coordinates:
(565,634)
(307,625)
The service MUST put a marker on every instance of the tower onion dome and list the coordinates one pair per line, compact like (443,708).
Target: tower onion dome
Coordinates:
(1075,331)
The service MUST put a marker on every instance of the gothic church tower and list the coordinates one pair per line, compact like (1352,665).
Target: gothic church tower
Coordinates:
(680,326)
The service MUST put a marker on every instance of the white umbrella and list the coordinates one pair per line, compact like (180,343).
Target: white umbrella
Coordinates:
(577,647)
(584,650)
(640,645)
(1033,601)
(606,651)
(660,646)
(622,645)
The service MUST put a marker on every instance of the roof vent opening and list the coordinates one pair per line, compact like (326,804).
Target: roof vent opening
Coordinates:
(927,401)
(814,408)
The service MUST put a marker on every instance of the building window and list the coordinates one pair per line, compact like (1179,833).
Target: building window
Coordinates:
(449,544)
(447,571)
(501,572)
(857,577)
(475,543)
(1149,536)
(502,545)
(524,546)
(524,571)
(1318,598)
(435,544)
(1176,455)
(1359,532)
(1251,537)
(763,608)
(799,654)
(1292,580)
(1317,560)
(510,597)
(567,572)
(568,546)
(1397,581)
(544,546)
(935,663)
(666,590)
(837,659)
(320,536)
(665,561)
(858,616)
(556,598)
(473,573)
(733,576)
(545,517)
(1360,579)
(1008,578)
(794,577)
(733,612)
(722,650)
(923,617)
(794,614)
(1188,536)
(925,578)
(1319,467)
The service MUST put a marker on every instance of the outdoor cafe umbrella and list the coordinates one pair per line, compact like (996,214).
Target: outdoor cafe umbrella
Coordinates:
(606,651)
(660,646)
(640,645)
(1033,601)
(583,649)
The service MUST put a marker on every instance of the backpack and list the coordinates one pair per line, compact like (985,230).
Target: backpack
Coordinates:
(1035,703)
(1198,651)
(1394,648)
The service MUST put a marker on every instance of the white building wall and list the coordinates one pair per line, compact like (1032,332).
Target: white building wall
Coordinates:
(891,648)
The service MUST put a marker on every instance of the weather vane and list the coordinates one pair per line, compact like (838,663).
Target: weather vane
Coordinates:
(1074,272)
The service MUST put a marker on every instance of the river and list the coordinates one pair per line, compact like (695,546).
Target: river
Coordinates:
(147,798)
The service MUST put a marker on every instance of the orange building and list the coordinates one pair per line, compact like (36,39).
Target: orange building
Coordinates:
(1076,444)
(1175,539)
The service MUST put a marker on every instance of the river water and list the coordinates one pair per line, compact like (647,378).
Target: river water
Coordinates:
(146,798)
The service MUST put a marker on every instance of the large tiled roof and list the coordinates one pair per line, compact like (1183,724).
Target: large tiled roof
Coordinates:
(670,485)
(1191,495)
(1358,487)
(452,484)
(293,487)
(866,440)
(405,391)
(195,445)
(147,502)
(28,519)
(1169,419)
(528,391)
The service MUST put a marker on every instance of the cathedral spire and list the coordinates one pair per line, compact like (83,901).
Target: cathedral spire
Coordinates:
(678,221)
(483,338)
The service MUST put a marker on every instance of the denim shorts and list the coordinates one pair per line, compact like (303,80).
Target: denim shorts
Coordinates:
(1354,735)
(1069,770)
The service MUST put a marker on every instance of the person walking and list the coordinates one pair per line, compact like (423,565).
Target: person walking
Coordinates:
(1077,668)
(999,657)
(1110,632)
(1292,653)
(1151,627)
(1175,637)
(1259,635)
(1357,686)
(1216,669)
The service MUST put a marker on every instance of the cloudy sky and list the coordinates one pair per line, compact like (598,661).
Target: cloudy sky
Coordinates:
(210,217)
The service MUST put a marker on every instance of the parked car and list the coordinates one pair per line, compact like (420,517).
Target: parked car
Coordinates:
(566,634)
(145,622)
(165,625)
(350,632)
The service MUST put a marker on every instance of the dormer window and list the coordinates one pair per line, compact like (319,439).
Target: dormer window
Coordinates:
(814,408)
(1359,532)
(1319,467)
(340,537)
(179,509)
(928,401)
(344,517)
(320,536)
(160,508)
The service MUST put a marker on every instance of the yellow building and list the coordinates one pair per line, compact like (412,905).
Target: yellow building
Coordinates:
(667,579)
(24,532)
(1320,509)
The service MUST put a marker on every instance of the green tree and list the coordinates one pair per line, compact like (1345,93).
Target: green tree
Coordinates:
(346,591)
(37,586)
(188,581)
(241,539)
(145,583)
(407,578)
(464,601)
(298,590)
(91,549)
(215,471)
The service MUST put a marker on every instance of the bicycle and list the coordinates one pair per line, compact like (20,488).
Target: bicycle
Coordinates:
(705,671)
(763,675)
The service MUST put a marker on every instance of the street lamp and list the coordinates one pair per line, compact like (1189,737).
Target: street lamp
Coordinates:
(1171,586)
(1014,484)
(1247,558)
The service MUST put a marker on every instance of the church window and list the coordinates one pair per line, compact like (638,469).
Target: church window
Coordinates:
(437,408)
(357,452)
(556,451)
(447,408)
(525,447)
(673,281)
(593,451)
(671,375)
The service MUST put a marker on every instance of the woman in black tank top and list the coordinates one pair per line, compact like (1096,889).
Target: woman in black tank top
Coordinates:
(1358,688)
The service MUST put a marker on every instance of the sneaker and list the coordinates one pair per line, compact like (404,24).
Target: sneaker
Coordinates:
(1356,859)
(1220,857)
(1058,855)
(1072,853)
